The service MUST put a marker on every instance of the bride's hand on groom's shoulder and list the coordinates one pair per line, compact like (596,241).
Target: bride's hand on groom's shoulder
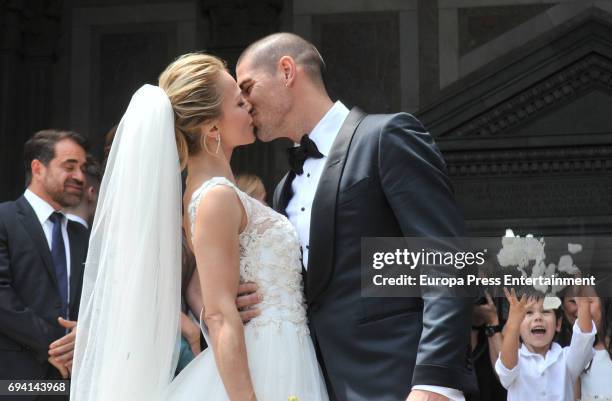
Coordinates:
(246,301)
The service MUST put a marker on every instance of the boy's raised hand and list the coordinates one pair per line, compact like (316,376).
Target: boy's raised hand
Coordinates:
(518,307)
(511,337)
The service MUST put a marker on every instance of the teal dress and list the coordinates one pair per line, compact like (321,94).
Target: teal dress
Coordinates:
(185,356)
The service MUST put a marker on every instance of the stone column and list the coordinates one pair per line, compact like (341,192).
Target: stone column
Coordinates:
(29,33)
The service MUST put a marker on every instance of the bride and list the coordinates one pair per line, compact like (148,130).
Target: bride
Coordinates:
(127,342)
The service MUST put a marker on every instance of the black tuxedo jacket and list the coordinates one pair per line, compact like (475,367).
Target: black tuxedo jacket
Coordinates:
(30,301)
(384,177)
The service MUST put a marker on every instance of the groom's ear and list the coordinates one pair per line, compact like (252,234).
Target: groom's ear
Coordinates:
(288,69)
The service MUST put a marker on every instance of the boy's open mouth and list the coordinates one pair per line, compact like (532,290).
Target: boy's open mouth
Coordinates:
(538,330)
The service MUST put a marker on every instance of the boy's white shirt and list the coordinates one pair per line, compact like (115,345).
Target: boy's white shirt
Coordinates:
(551,377)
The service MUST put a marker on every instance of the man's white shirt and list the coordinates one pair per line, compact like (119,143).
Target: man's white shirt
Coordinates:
(78,219)
(304,187)
(43,211)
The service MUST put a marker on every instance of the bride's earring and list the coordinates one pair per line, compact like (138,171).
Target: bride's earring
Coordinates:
(218,143)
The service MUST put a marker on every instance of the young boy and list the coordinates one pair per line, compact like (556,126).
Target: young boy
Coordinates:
(541,369)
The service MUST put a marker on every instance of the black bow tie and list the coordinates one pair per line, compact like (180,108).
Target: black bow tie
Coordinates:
(299,154)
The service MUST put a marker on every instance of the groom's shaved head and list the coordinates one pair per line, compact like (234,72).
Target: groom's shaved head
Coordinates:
(268,51)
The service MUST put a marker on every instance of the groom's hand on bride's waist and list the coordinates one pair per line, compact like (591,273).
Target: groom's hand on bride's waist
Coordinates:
(246,301)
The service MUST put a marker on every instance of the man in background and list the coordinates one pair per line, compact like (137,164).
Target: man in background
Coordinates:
(42,257)
(85,210)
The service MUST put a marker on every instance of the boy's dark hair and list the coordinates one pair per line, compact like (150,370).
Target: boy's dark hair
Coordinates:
(532,292)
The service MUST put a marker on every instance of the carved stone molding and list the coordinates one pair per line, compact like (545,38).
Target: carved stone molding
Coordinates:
(526,84)
(592,71)
(535,198)
(529,162)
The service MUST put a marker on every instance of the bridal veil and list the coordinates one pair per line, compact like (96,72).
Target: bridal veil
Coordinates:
(128,329)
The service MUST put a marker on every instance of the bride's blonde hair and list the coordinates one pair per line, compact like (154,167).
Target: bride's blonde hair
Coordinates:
(191,85)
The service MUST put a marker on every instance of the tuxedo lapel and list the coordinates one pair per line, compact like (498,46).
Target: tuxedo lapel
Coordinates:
(283,193)
(323,216)
(32,225)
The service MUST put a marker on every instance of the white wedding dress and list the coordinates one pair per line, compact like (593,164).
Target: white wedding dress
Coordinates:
(281,356)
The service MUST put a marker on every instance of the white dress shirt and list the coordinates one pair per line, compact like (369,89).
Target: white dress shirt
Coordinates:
(595,383)
(548,378)
(77,219)
(43,211)
(304,187)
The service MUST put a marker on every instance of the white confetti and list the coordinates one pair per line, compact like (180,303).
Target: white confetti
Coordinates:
(574,248)
(551,303)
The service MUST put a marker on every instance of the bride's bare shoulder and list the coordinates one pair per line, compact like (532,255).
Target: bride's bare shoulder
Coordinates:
(219,208)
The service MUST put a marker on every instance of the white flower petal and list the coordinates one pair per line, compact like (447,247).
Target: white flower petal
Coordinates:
(551,303)
(574,248)
(565,263)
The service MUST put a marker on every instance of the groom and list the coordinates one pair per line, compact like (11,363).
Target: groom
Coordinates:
(356,175)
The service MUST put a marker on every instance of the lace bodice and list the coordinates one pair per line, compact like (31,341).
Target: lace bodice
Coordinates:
(269,257)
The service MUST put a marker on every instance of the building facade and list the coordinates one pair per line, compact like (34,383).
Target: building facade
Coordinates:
(517,93)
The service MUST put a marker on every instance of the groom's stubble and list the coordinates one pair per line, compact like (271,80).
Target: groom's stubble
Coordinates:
(270,99)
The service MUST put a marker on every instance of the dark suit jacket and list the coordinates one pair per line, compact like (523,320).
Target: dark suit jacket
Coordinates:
(384,177)
(29,297)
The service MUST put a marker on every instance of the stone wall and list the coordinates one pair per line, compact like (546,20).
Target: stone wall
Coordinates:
(517,93)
